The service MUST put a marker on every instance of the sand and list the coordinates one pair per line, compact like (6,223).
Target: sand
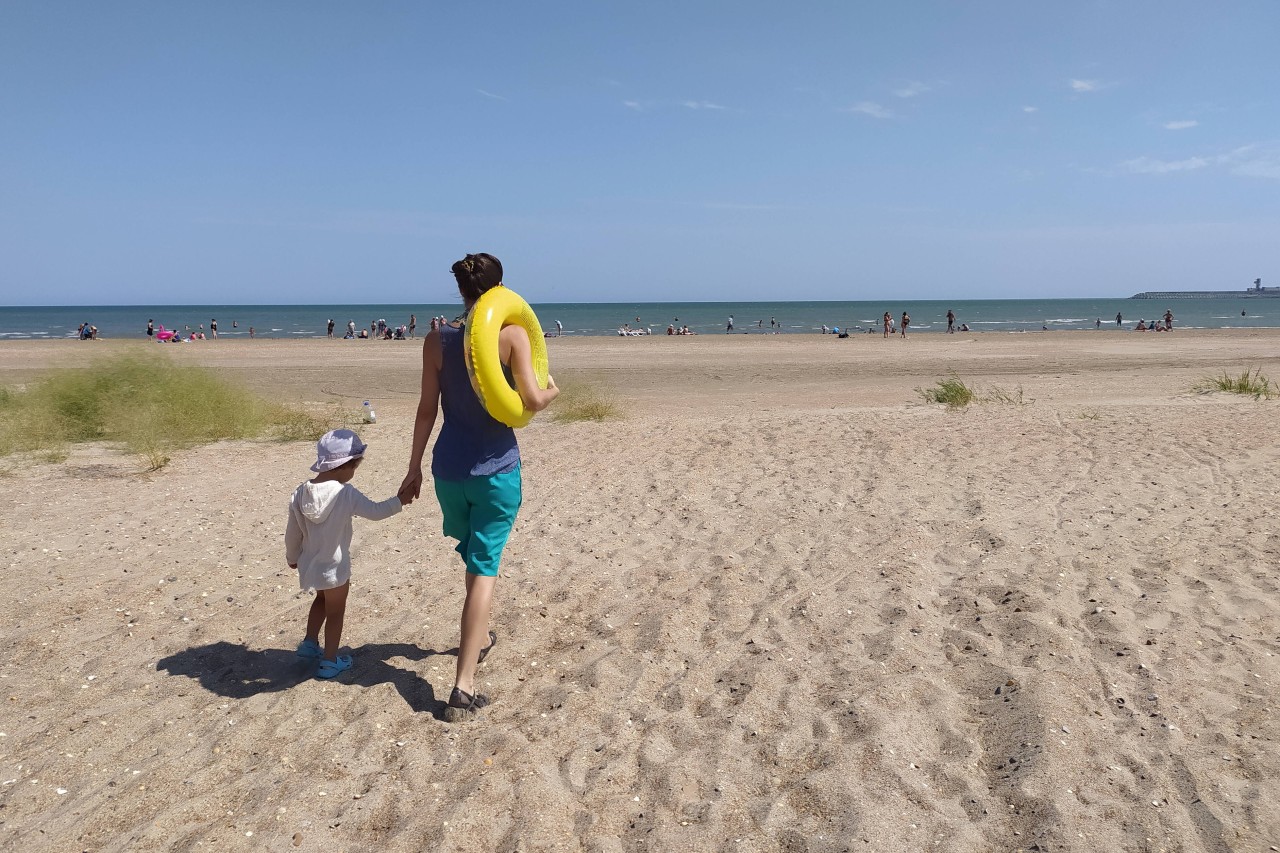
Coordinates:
(780,604)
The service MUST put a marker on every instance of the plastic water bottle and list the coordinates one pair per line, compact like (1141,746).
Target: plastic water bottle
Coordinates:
(370,416)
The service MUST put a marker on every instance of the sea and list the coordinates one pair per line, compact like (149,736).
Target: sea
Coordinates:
(608,318)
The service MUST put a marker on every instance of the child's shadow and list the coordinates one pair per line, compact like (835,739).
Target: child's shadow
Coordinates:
(237,672)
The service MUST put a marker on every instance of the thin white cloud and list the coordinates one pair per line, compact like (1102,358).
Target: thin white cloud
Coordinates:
(702,105)
(729,205)
(1031,109)
(1180,125)
(633,105)
(1151,166)
(1256,161)
(491,95)
(1085,85)
(869,108)
(912,89)
(1251,161)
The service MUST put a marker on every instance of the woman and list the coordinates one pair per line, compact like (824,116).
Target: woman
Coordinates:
(475,465)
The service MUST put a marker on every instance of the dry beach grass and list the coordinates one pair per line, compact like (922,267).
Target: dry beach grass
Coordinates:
(777,603)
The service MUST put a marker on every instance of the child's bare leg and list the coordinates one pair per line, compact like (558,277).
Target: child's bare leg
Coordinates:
(335,608)
(315,616)
(475,629)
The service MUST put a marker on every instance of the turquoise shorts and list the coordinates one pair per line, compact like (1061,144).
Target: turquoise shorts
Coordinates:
(479,512)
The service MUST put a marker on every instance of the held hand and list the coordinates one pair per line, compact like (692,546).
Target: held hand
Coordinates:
(411,486)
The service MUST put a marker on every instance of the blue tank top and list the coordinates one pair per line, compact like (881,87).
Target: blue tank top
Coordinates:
(471,443)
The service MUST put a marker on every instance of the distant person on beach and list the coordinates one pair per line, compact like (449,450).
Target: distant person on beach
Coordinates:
(351,328)
(729,328)
(413,325)
(317,542)
(1141,327)
(213,329)
(888,324)
(235,324)
(251,335)
(1097,324)
(1119,319)
(475,466)
(151,328)
(964,327)
(951,321)
(1168,319)
(559,328)
(329,328)
(906,321)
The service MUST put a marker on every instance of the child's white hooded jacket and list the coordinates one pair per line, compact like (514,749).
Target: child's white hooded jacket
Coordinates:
(318,535)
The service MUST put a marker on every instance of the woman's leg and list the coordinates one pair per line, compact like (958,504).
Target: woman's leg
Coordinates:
(494,503)
(475,629)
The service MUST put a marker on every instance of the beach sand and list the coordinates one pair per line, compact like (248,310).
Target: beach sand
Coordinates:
(781,604)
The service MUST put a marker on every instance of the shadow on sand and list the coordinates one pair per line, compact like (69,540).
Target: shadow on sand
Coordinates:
(237,672)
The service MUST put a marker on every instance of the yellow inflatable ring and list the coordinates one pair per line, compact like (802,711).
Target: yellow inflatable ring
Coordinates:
(498,307)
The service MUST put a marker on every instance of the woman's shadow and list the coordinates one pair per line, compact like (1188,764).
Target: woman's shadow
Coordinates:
(237,672)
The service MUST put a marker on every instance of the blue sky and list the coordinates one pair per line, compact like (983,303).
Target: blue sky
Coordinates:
(249,152)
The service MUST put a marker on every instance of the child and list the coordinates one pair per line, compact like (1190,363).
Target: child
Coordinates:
(475,465)
(317,541)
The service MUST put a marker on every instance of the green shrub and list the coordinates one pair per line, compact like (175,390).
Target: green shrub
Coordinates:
(1254,384)
(583,403)
(999,395)
(950,391)
(144,403)
(955,394)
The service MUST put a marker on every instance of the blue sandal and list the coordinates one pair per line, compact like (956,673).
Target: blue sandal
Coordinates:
(331,668)
(309,649)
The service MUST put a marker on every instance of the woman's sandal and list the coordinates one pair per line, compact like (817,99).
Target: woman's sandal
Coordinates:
(330,668)
(310,650)
(484,653)
(463,706)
